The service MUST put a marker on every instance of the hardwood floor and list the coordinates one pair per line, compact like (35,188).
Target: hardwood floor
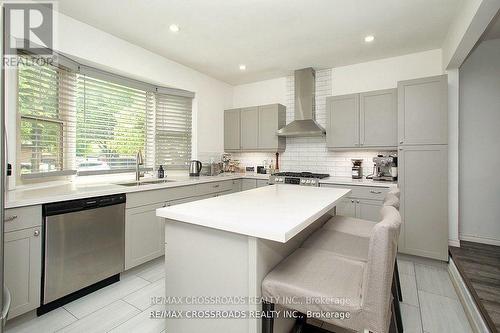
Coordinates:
(479,265)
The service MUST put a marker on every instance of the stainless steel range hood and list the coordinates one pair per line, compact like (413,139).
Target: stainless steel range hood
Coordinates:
(304,123)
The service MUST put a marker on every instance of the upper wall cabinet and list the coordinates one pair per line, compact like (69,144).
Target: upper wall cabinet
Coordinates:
(232,131)
(423,111)
(249,118)
(254,128)
(378,118)
(342,121)
(366,120)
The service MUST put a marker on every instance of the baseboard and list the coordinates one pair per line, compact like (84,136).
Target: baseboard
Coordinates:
(454,242)
(475,319)
(479,239)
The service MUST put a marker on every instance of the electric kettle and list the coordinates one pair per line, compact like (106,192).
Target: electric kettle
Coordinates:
(195,168)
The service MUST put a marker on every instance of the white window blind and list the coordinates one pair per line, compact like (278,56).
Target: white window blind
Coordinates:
(111,124)
(95,122)
(173,130)
(45,102)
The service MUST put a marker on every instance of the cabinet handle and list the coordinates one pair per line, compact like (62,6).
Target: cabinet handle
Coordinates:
(352,201)
(357,201)
(401,142)
(216,185)
(375,192)
(10,218)
(36,233)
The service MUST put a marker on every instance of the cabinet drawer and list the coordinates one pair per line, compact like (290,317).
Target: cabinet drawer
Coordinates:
(363,192)
(22,218)
(144,198)
(214,187)
(373,193)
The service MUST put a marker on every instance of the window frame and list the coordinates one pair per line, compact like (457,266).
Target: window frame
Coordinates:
(67,160)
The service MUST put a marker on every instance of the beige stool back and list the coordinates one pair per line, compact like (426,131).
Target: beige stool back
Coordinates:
(377,279)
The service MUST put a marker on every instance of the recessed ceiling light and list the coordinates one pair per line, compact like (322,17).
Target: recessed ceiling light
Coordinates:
(243,67)
(174,28)
(369,38)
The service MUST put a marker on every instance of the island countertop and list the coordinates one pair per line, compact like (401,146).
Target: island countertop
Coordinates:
(276,212)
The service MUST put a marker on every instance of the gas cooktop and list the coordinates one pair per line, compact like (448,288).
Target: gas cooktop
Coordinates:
(297,178)
(303,174)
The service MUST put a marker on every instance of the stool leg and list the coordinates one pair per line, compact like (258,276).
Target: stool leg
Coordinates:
(267,320)
(398,283)
(396,307)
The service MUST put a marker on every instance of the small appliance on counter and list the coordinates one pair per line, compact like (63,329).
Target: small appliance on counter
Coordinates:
(385,168)
(211,169)
(195,168)
(357,169)
(261,169)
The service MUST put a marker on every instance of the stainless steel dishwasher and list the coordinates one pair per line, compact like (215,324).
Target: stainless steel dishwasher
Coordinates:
(84,248)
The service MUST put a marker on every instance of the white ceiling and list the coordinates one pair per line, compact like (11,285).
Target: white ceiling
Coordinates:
(272,37)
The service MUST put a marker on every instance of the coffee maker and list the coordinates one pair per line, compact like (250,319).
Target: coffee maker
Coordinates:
(385,168)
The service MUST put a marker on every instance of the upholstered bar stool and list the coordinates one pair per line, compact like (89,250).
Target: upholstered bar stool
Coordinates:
(349,237)
(317,274)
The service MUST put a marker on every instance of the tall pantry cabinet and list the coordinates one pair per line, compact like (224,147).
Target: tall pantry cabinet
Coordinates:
(423,166)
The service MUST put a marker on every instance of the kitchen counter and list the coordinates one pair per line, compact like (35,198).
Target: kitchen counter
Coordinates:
(223,247)
(276,212)
(71,191)
(356,182)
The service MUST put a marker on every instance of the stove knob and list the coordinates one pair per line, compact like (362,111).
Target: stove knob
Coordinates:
(308,181)
(280,179)
(303,181)
(313,182)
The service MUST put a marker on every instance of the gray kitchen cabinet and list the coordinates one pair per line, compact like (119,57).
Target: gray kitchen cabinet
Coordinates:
(342,121)
(143,235)
(232,132)
(255,129)
(378,118)
(249,118)
(346,207)
(262,182)
(248,184)
(368,209)
(236,186)
(271,118)
(22,269)
(423,111)
(364,202)
(423,179)
(144,231)
(366,120)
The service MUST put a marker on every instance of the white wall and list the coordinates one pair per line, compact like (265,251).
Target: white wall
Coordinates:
(372,75)
(116,55)
(480,144)
(385,73)
(260,93)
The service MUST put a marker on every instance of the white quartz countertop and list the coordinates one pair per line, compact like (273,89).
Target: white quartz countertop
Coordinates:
(276,212)
(72,191)
(356,182)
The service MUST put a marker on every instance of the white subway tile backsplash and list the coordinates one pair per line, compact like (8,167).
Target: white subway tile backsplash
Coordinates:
(311,154)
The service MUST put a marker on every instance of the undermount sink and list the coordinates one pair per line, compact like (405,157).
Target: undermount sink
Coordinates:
(147,182)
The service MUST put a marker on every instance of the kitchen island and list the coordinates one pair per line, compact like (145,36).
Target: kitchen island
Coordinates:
(218,251)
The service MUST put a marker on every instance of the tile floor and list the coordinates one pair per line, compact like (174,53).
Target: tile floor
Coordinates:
(430,304)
